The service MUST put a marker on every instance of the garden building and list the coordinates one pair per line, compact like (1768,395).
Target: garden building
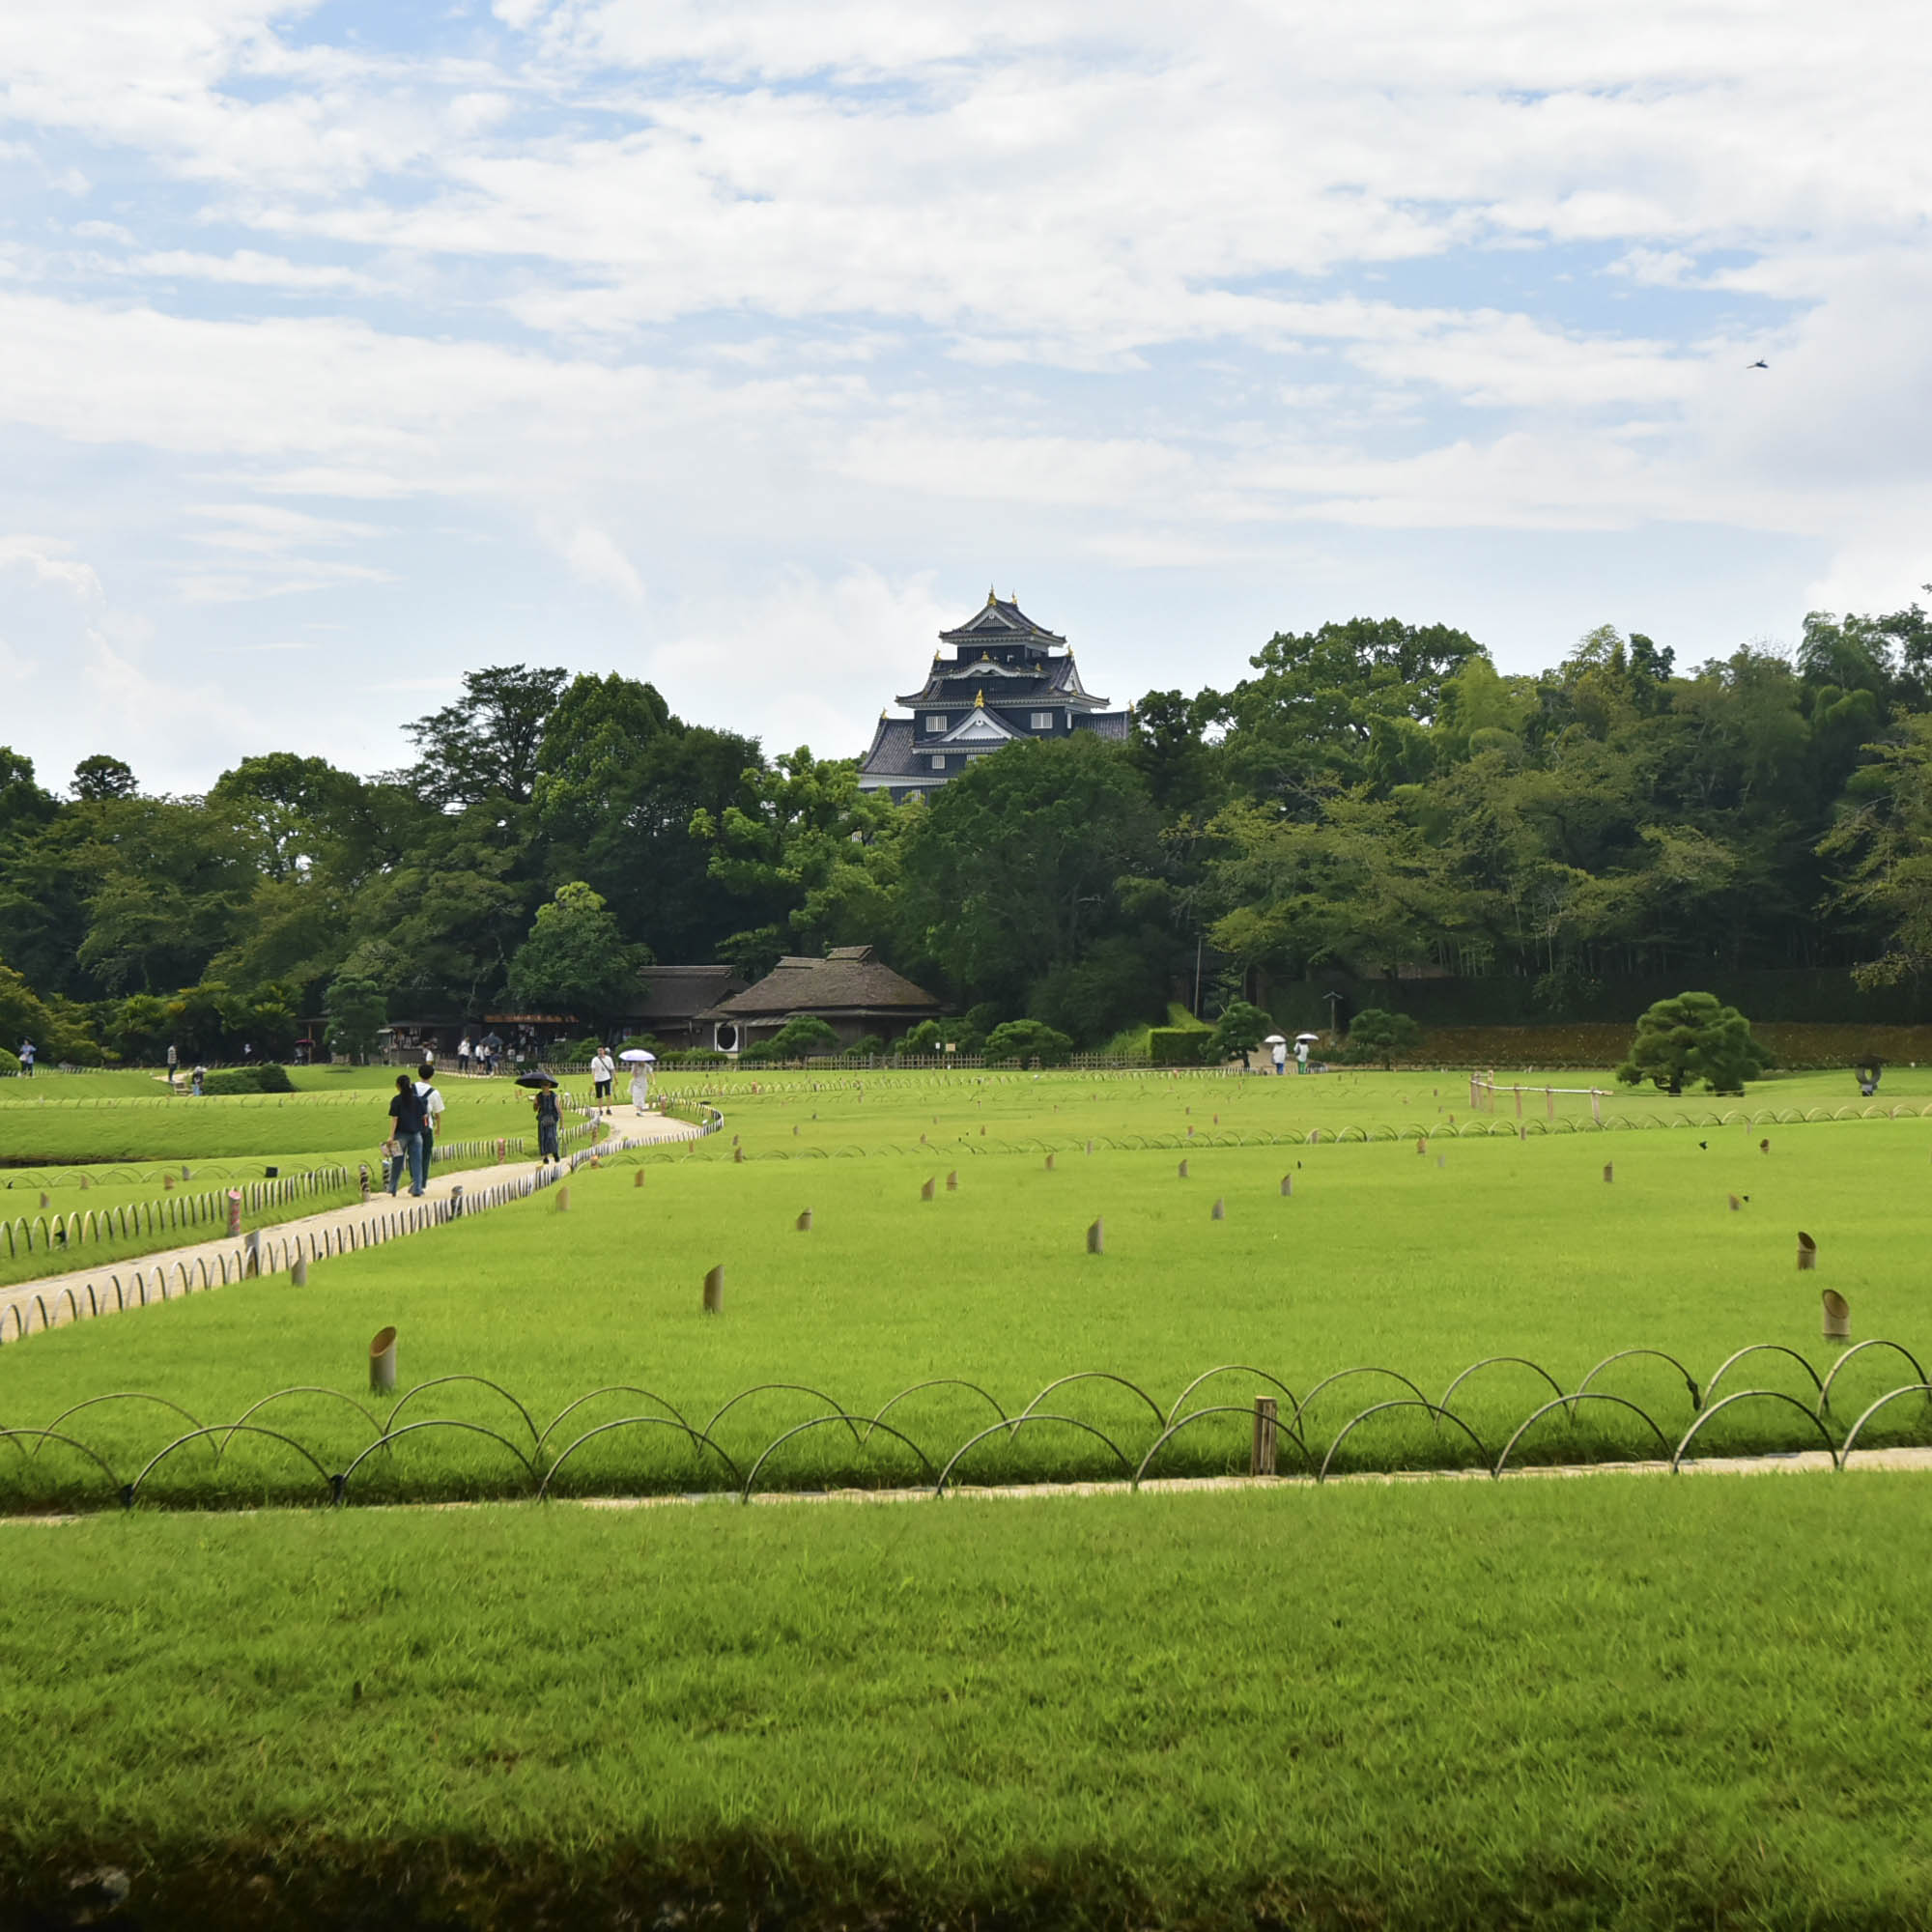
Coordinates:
(851,992)
(1006,677)
(674,999)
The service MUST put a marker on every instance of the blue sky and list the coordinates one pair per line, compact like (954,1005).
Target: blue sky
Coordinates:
(741,347)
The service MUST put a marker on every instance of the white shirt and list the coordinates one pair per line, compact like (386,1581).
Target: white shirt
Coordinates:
(602,1067)
(1281,1056)
(432,1103)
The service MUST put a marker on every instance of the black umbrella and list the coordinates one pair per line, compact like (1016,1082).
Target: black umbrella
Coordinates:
(534,1080)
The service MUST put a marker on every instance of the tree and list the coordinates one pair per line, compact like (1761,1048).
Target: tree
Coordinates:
(576,960)
(1240,1029)
(593,741)
(485,745)
(928,1037)
(1375,1033)
(356,1012)
(1693,1037)
(802,1035)
(103,777)
(1028,1040)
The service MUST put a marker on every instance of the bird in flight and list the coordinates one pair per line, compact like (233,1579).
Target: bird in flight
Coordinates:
(1760,363)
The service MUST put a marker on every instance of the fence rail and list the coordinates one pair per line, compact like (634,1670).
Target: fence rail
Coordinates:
(1115,1423)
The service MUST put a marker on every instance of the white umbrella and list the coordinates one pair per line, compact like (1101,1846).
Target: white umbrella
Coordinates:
(1308,1035)
(638,1056)
(1274,1040)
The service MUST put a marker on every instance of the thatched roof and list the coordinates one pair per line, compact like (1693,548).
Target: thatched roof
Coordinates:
(848,980)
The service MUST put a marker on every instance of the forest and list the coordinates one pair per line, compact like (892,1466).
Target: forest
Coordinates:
(1377,798)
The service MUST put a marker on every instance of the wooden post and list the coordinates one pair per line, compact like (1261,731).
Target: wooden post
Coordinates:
(953,1181)
(1808,1252)
(1260,1456)
(638,1178)
(383,1362)
(298,1274)
(1049,1163)
(1517,1091)
(738,1157)
(1609,1172)
(1183,1172)
(1421,1143)
(563,1200)
(1736,1204)
(925,1189)
(1838,1317)
(1550,1103)
(805,1222)
(1596,1106)
(714,1291)
(1097,1237)
(1287,1185)
(1219,1211)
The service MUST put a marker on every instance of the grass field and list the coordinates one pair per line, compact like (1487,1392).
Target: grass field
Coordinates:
(1422,1264)
(1634,1704)
(1619,1702)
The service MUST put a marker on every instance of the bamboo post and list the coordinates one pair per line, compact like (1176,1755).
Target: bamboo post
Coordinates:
(563,1200)
(1596,1106)
(1550,1103)
(1097,1237)
(1609,1172)
(804,1223)
(383,1362)
(953,1181)
(1183,1172)
(1838,1317)
(1049,1163)
(1219,1211)
(925,1189)
(638,1178)
(714,1291)
(1517,1091)
(738,1157)
(1260,1456)
(1421,1143)
(1808,1252)
(1736,1204)
(1287,1185)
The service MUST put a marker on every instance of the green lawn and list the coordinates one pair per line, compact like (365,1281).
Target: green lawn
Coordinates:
(1629,1703)
(1416,1263)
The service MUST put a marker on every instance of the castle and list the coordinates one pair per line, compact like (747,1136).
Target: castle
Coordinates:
(1006,678)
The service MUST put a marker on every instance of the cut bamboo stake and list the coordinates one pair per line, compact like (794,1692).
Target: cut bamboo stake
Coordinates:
(1808,1252)
(714,1291)
(1838,1317)
(1219,1211)
(1097,1237)
(1049,1163)
(805,1222)
(383,1362)
(953,1181)
(1287,1185)
(638,1178)
(1182,1174)
(1736,1204)
(925,1190)
(1609,1172)
(738,1157)
(563,1200)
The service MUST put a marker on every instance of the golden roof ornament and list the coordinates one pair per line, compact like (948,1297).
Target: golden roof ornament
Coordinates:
(980,700)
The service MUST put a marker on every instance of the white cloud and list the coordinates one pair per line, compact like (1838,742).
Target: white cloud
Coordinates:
(594,557)
(46,561)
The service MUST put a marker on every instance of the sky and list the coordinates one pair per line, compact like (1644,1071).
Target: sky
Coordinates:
(742,346)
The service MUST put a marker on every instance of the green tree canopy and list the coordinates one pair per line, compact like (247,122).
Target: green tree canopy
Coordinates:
(576,960)
(1695,1037)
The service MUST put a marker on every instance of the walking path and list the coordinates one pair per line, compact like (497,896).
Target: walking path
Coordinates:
(55,1300)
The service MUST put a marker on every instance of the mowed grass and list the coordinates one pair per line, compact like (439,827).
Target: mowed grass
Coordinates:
(123,1117)
(1621,1703)
(1380,1257)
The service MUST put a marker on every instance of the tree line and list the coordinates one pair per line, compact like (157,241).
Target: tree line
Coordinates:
(1375,795)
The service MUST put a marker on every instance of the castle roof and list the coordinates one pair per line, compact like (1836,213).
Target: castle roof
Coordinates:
(1000,620)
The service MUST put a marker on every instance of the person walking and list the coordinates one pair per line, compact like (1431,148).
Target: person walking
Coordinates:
(603,1072)
(197,1078)
(1278,1053)
(174,1061)
(432,1111)
(1301,1056)
(405,1118)
(462,1055)
(550,1120)
(640,1083)
(26,1057)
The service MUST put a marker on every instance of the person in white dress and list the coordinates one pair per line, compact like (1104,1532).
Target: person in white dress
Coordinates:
(640,1083)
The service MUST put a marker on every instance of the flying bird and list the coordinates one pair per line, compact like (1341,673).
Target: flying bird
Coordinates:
(1760,363)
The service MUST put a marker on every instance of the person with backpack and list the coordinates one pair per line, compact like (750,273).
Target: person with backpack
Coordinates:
(406,1123)
(432,1109)
(26,1057)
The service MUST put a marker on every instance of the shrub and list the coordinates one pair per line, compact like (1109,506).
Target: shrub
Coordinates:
(1178,1046)
(1695,1037)
(10,1063)
(928,1037)
(868,1046)
(1028,1040)
(1243,1027)
(975,1025)
(264,1079)
(801,1035)
(1376,1036)
(649,1042)
(696,1055)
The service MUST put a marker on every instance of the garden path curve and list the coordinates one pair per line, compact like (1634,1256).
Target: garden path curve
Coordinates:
(53,1301)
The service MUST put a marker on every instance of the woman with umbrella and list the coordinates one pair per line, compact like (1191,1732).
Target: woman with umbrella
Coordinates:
(1277,1046)
(641,1064)
(549,1117)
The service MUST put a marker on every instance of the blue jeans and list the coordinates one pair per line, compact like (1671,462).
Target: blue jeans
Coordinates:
(409,1154)
(420,1161)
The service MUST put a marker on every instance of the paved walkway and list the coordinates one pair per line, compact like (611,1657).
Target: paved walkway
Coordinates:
(55,1300)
